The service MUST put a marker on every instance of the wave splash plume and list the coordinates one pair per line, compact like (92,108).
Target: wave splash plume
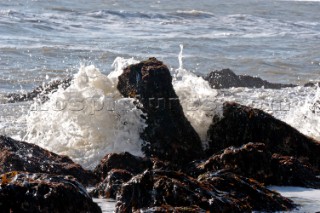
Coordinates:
(88,119)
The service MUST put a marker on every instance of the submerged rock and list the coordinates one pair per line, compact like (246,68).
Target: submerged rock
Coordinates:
(226,78)
(21,156)
(168,135)
(40,92)
(242,124)
(34,192)
(160,189)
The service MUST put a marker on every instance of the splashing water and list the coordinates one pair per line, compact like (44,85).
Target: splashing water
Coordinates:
(88,119)
(180,57)
(196,97)
(305,117)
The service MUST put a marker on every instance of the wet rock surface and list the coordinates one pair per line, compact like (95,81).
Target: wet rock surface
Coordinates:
(154,189)
(117,168)
(290,171)
(242,124)
(35,192)
(168,135)
(21,156)
(40,92)
(226,78)
(110,186)
(124,161)
(253,160)
(250,160)
(246,192)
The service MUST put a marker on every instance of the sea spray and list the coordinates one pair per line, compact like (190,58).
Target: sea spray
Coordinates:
(305,116)
(196,97)
(88,119)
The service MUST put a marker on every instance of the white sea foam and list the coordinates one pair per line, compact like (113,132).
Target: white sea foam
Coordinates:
(194,12)
(88,119)
(305,117)
(196,97)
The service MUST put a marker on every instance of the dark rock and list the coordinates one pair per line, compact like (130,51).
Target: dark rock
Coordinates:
(253,160)
(34,192)
(312,84)
(111,184)
(226,78)
(155,189)
(40,92)
(246,192)
(168,135)
(22,156)
(242,124)
(290,171)
(123,161)
(116,169)
(250,160)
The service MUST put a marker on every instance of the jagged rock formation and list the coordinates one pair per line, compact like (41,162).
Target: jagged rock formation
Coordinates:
(168,135)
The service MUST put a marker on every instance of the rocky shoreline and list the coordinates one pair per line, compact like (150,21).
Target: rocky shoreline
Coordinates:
(248,149)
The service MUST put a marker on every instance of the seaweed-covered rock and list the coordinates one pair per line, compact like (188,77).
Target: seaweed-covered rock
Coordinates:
(226,78)
(168,135)
(242,124)
(116,169)
(123,161)
(250,160)
(109,187)
(34,192)
(154,189)
(290,171)
(21,156)
(40,92)
(246,192)
(253,160)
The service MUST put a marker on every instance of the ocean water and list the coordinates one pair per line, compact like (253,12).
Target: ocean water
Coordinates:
(93,40)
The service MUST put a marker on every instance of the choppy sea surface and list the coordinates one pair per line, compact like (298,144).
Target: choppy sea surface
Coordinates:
(93,40)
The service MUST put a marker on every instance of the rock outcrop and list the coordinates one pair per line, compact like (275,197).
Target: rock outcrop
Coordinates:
(226,78)
(21,156)
(110,186)
(250,160)
(242,124)
(35,192)
(122,161)
(40,92)
(290,171)
(253,160)
(211,192)
(168,135)
(117,168)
